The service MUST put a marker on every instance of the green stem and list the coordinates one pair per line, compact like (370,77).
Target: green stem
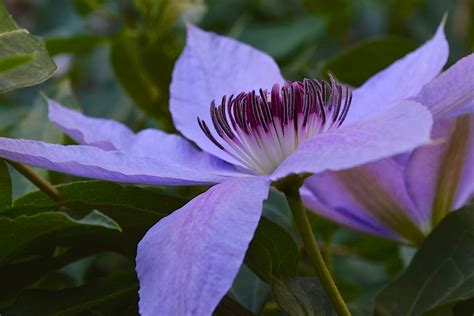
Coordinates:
(37,180)
(312,249)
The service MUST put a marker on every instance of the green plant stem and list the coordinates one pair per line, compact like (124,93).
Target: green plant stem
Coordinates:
(37,180)
(312,249)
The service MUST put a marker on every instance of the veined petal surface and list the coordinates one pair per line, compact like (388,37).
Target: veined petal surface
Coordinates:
(111,135)
(96,163)
(187,262)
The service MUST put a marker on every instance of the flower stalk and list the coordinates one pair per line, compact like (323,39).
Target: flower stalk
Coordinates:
(37,180)
(312,249)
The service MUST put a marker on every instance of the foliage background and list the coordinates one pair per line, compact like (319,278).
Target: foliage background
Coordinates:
(115,60)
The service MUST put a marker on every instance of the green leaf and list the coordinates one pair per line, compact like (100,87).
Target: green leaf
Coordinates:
(24,61)
(249,290)
(110,296)
(10,114)
(130,68)
(276,209)
(291,35)
(229,307)
(364,304)
(440,274)
(161,16)
(135,209)
(5,186)
(18,275)
(85,7)
(76,44)
(356,65)
(272,252)
(302,296)
(143,63)
(39,230)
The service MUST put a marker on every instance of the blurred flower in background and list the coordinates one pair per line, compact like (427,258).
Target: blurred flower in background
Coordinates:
(408,197)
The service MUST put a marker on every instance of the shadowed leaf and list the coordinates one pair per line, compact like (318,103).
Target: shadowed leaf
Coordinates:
(108,296)
(302,296)
(23,232)
(272,252)
(354,66)
(5,186)
(440,274)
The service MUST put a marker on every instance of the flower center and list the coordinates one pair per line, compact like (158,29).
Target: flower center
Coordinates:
(261,129)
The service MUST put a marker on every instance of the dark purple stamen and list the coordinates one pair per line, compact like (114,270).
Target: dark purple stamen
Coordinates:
(251,124)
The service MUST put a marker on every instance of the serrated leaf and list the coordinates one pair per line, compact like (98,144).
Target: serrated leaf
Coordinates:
(272,252)
(24,60)
(302,296)
(440,274)
(354,66)
(5,186)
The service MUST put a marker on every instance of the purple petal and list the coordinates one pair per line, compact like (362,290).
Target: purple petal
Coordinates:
(350,218)
(395,130)
(210,67)
(102,133)
(371,198)
(93,162)
(452,92)
(445,170)
(403,79)
(111,135)
(187,262)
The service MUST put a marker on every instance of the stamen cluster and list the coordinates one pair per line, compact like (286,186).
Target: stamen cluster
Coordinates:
(261,129)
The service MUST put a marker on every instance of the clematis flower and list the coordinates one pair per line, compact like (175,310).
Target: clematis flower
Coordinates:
(403,199)
(253,129)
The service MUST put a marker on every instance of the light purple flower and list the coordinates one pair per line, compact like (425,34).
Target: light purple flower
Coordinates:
(187,262)
(403,198)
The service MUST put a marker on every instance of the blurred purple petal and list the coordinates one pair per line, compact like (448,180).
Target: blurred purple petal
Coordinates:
(401,80)
(445,169)
(351,218)
(93,162)
(187,262)
(371,198)
(111,135)
(398,129)
(210,67)
(63,64)
(452,92)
